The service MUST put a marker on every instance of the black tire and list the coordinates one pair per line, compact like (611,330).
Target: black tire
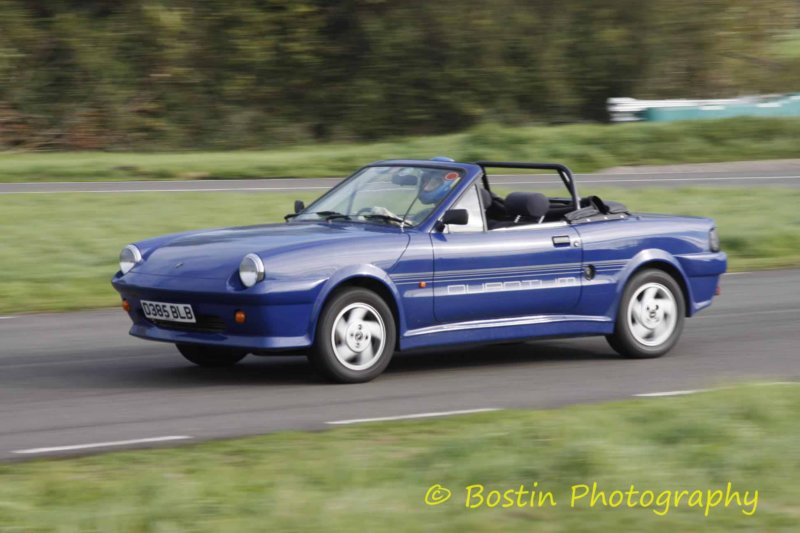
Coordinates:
(344,367)
(624,340)
(211,356)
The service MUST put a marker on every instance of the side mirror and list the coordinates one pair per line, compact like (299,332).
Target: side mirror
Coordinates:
(299,206)
(456,216)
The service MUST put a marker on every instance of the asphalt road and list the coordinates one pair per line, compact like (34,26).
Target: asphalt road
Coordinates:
(78,379)
(748,174)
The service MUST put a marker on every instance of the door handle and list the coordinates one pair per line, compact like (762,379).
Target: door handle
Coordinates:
(561,240)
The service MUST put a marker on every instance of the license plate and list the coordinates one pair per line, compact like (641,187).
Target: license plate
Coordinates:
(168,312)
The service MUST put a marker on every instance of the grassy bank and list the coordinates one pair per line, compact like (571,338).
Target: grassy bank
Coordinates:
(59,250)
(375,477)
(585,148)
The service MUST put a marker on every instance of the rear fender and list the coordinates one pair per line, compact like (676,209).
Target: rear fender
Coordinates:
(654,258)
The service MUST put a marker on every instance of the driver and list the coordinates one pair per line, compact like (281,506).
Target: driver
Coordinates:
(433,187)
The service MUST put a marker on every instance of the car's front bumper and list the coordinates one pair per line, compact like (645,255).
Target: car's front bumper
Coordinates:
(703,272)
(276,319)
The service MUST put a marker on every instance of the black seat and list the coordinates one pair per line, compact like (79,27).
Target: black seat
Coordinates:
(527,207)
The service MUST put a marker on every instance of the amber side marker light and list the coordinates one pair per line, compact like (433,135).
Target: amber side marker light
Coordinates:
(126,306)
(423,284)
(239,317)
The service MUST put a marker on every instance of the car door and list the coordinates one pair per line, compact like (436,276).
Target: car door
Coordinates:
(521,271)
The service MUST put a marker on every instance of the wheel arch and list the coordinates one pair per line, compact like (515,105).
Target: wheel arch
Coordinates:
(658,260)
(375,280)
(675,274)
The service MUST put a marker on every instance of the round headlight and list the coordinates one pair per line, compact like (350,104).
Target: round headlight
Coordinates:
(129,257)
(713,240)
(251,270)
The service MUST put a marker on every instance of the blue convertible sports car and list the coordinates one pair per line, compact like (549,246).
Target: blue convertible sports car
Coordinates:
(412,254)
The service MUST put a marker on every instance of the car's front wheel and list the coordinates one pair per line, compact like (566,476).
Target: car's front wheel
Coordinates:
(355,337)
(650,317)
(211,356)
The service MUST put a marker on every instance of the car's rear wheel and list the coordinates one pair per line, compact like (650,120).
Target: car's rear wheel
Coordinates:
(211,356)
(355,337)
(650,316)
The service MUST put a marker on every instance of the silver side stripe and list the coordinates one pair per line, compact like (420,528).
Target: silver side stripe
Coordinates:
(545,269)
(504,322)
(537,268)
(501,277)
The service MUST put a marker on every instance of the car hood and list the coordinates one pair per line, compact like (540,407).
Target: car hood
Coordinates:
(216,254)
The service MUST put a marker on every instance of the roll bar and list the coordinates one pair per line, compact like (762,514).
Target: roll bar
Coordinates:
(564,172)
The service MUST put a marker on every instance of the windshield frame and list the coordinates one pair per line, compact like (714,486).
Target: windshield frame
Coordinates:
(468,174)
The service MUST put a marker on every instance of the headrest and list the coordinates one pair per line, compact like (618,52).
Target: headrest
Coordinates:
(527,204)
(486,197)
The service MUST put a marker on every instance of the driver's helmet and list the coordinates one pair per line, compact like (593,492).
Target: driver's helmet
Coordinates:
(434,185)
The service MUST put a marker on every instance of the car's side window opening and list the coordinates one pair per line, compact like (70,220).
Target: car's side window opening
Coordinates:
(533,209)
(472,204)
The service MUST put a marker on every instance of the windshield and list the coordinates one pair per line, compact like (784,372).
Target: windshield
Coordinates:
(403,196)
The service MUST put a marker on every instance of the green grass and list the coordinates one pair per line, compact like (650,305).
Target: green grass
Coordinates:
(586,147)
(59,251)
(374,477)
(786,45)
